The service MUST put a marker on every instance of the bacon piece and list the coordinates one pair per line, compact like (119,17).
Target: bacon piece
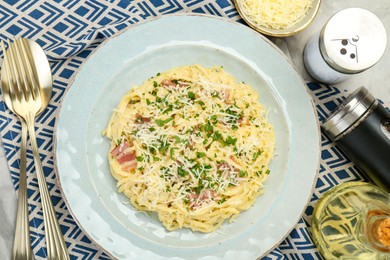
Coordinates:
(193,196)
(197,200)
(129,165)
(207,194)
(117,150)
(125,157)
(169,83)
(179,163)
(243,121)
(227,169)
(190,144)
(233,159)
(225,94)
(140,119)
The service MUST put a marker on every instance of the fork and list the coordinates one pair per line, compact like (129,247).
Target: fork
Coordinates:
(25,96)
(22,246)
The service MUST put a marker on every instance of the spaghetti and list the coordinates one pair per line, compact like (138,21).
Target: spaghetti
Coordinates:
(191,144)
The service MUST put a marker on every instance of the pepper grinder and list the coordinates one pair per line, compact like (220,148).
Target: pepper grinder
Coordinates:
(361,128)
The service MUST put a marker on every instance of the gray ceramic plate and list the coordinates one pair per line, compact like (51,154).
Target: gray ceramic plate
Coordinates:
(139,53)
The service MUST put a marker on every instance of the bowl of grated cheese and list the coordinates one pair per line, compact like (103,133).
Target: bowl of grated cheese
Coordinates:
(279,18)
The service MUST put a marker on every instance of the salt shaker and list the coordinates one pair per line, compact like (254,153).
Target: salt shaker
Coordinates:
(352,40)
(361,128)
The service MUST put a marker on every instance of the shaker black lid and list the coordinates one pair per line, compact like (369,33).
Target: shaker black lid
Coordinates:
(355,107)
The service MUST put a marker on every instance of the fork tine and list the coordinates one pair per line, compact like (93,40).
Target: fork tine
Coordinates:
(5,87)
(21,70)
(30,68)
(5,68)
(12,87)
(15,89)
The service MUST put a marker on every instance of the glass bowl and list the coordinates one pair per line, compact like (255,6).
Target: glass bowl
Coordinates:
(289,30)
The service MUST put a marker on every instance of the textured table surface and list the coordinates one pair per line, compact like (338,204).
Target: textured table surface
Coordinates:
(375,79)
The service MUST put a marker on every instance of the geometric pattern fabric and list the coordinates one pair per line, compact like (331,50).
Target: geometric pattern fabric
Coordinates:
(69,31)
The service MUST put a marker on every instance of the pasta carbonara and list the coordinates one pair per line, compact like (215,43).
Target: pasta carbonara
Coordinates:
(191,144)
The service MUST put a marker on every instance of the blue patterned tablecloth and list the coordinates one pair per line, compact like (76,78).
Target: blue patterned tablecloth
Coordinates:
(69,30)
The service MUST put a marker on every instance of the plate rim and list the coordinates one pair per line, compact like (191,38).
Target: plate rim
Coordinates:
(149,20)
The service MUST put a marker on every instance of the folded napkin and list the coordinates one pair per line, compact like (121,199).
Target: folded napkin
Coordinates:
(69,31)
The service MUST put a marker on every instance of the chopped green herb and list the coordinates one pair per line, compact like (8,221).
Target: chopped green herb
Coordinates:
(140,158)
(267,171)
(169,108)
(181,172)
(155,84)
(196,169)
(215,94)
(177,139)
(217,136)
(243,173)
(214,119)
(256,155)
(199,188)
(207,127)
(200,154)
(172,152)
(163,147)
(202,104)
(230,141)
(160,122)
(221,200)
(191,95)
(207,166)
(148,102)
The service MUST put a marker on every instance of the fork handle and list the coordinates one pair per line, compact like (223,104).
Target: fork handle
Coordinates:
(22,244)
(56,247)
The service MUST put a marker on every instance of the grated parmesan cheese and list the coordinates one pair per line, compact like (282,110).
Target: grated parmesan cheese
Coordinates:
(274,14)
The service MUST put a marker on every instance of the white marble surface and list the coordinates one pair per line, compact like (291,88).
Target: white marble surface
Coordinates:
(7,208)
(376,79)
